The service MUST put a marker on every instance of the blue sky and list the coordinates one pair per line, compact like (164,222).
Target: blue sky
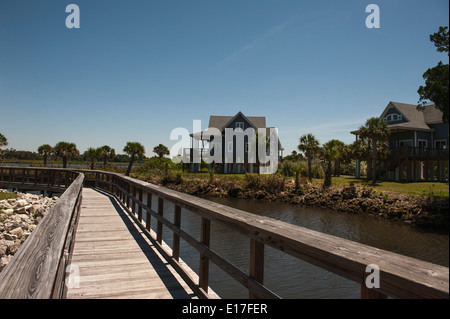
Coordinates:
(136,70)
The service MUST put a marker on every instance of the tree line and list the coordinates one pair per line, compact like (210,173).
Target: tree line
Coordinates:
(67,151)
(371,147)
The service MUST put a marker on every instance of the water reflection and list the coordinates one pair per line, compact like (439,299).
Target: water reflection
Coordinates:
(288,276)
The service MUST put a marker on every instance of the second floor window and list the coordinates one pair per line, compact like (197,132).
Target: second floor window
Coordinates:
(239,126)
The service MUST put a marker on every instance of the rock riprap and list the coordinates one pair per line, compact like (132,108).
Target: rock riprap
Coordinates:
(18,218)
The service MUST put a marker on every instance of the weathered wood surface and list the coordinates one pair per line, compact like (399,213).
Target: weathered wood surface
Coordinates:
(401,276)
(37,270)
(114,258)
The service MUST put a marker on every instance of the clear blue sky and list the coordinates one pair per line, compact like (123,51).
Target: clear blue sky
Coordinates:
(136,70)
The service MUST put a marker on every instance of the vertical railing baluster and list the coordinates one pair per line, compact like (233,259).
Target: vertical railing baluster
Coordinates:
(256,263)
(159,226)
(133,200)
(140,206)
(176,237)
(148,218)
(205,237)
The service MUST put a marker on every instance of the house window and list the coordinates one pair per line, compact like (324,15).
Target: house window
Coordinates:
(422,143)
(406,143)
(393,117)
(441,144)
(239,126)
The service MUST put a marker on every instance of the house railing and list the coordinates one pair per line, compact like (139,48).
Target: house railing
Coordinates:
(400,276)
(420,152)
(38,269)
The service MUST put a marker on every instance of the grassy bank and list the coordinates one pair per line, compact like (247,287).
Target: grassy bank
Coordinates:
(421,188)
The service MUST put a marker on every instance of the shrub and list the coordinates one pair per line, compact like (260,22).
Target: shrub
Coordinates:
(252,181)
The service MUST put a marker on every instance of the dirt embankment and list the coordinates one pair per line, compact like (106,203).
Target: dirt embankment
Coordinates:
(415,210)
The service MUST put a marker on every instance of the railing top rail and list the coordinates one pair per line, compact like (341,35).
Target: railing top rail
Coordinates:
(33,271)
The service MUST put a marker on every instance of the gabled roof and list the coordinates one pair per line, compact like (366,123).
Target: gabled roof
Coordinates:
(221,122)
(415,119)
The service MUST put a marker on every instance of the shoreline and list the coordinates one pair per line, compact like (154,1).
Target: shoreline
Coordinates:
(424,212)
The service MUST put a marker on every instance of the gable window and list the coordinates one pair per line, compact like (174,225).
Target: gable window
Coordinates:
(393,117)
(239,126)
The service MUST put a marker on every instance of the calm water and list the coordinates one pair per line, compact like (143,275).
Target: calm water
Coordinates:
(290,277)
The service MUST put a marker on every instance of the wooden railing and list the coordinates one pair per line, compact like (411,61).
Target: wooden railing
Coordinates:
(43,179)
(400,276)
(420,152)
(38,269)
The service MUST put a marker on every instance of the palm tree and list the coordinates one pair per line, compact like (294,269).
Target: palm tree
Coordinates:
(66,150)
(329,152)
(309,145)
(107,152)
(134,149)
(3,142)
(45,150)
(161,150)
(340,149)
(93,154)
(376,131)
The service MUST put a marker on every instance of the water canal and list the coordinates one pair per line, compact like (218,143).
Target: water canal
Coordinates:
(290,277)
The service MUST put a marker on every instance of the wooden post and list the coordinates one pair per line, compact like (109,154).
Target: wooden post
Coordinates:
(148,219)
(204,261)
(176,238)
(128,194)
(140,207)
(159,226)
(256,263)
(370,293)
(133,202)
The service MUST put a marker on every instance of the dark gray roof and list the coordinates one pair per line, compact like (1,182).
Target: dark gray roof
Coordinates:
(416,120)
(221,122)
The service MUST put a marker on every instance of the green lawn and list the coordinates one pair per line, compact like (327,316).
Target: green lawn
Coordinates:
(422,188)
(435,188)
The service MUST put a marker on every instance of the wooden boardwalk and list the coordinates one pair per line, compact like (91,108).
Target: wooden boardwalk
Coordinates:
(115,259)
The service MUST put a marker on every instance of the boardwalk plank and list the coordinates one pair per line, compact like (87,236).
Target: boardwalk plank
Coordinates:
(115,260)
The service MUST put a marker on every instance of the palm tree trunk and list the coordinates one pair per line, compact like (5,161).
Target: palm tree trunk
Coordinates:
(309,166)
(64,159)
(374,161)
(130,165)
(45,159)
(328,170)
